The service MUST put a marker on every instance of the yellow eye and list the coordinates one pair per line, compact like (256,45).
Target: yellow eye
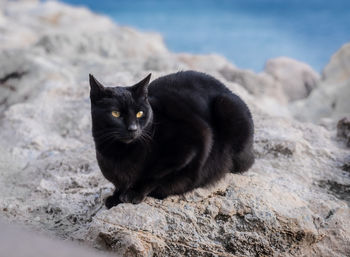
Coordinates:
(139,114)
(116,114)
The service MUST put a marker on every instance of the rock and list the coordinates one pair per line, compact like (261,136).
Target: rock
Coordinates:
(327,101)
(123,43)
(293,202)
(23,75)
(283,81)
(268,92)
(297,79)
(266,211)
(331,98)
(338,69)
(33,245)
(205,63)
(343,130)
(346,164)
(257,84)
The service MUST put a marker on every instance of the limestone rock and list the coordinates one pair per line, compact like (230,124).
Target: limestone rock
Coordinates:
(267,211)
(327,101)
(23,75)
(338,68)
(293,202)
(331,98)
(16,242)
(343,130)
(297,79)
(268,92)
(205,63)
(257,84)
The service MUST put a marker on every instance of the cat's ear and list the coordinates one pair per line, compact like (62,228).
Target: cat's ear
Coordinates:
(96,88)
(141,89)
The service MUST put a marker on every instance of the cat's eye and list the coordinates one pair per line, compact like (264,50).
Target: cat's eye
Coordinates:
(116,114)
(139,114)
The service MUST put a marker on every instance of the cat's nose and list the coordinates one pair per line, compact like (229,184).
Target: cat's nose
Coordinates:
(132,128)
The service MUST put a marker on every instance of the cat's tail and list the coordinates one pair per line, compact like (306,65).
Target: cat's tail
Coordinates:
(234,125)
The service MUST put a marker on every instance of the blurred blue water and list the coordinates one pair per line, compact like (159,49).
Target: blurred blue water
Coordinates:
(247,32)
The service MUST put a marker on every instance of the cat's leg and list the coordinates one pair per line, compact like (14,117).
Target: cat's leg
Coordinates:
(132,196)
(160,188)
(173,185)
(119,192)
(235,126)
(183,165)
(113,199)
(138,192)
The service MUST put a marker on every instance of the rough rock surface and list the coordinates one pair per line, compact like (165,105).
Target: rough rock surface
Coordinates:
(14,242)
(343,130)
(268,92)
(338,69)
(293,202)
(297,79)
(331,98)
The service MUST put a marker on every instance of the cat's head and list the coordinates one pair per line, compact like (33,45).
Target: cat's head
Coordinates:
(120,113)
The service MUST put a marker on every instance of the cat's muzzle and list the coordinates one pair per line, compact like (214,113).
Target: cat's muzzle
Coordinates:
(132,135)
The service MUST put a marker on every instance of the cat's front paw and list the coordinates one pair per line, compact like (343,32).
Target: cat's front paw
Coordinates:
(111,201)
(131,197)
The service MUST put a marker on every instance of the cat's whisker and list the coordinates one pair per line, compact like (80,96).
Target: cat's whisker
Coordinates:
(145,134)
(146,139)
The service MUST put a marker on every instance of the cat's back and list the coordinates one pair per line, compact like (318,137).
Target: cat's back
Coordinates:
(189,92)
(187,83)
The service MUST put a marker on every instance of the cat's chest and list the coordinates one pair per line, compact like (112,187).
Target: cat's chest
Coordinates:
(120,171)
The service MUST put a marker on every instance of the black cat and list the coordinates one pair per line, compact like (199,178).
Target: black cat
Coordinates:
(180,132)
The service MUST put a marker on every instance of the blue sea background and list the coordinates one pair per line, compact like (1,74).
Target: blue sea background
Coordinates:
(247,32)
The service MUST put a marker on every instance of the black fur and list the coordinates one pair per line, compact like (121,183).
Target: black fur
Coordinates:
(193,131)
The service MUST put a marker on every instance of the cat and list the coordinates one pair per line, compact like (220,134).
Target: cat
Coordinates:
(180,132)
